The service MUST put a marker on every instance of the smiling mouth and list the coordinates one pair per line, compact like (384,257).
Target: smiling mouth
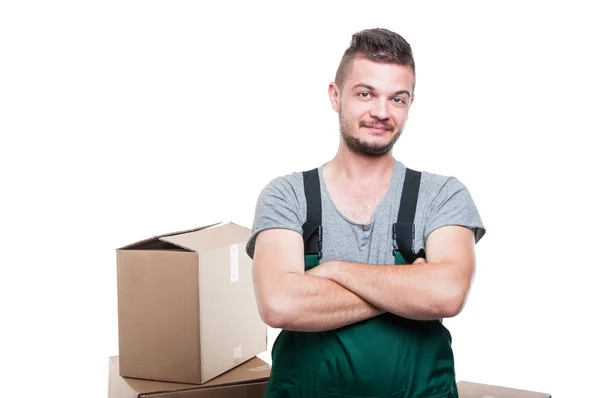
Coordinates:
(376,126)
(378,129)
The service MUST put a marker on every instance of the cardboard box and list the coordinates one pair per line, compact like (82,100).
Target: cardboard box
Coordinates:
(187,310)
(468,389)
(248,380)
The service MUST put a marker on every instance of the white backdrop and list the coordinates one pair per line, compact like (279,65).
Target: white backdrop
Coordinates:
(122,120)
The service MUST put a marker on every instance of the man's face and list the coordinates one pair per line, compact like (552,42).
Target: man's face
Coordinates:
(373,106)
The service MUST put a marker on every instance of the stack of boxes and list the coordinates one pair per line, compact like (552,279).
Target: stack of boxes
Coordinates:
(189,325)
(188,320)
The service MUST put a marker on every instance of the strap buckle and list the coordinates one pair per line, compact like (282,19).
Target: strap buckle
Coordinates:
(406,252)
(314,242)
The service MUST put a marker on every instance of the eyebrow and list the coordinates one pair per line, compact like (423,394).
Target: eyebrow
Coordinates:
(368,87)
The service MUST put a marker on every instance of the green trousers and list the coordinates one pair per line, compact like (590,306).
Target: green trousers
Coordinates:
(387,356)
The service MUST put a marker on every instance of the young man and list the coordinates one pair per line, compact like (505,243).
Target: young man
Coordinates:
(359,260)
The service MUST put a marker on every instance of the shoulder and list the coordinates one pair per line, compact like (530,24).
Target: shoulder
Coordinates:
(280,204)
(435,184)
(446,200)
(287,186)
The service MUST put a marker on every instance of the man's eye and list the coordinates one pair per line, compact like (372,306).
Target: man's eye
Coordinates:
(399,100)
(363,95)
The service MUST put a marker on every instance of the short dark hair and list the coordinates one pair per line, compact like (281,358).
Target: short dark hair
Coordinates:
(378,45)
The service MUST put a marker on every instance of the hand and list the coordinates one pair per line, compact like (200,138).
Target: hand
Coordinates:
(420,260)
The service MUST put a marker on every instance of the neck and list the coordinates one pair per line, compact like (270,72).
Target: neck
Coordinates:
(361,169)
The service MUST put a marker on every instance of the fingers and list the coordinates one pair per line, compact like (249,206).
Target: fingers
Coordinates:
(420,260)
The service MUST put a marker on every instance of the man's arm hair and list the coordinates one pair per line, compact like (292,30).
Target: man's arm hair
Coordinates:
(290,299)
(425,290)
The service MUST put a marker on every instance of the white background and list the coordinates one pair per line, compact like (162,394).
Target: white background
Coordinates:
(122,120)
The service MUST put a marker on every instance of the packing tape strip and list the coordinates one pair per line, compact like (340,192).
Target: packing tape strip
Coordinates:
(234,263)
(260,368)
(237,354)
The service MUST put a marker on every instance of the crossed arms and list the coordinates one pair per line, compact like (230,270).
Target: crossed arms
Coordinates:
(336,294)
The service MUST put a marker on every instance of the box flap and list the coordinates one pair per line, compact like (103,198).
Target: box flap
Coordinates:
(254,370)
(468,389)
(155,239)
(211,237)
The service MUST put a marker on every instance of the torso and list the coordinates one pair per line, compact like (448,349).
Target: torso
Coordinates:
(404,356)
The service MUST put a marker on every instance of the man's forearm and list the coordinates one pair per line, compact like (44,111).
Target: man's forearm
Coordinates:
(417,291)
(310,303)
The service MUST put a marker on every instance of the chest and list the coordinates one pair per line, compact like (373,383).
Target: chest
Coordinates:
(355,205)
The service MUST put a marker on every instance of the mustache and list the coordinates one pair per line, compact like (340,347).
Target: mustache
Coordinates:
(377,124)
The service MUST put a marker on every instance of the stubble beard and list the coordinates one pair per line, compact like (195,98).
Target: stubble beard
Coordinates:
(364,148)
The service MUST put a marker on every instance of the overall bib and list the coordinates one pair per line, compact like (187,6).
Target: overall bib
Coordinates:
(387,356)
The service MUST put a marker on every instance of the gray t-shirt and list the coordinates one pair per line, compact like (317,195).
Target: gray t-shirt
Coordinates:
(443,200)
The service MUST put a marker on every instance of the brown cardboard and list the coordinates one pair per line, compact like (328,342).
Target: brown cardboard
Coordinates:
(248,380)
(186,306)
(468,389)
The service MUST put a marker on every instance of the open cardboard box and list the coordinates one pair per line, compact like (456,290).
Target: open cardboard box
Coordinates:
(187,310)
(248,380)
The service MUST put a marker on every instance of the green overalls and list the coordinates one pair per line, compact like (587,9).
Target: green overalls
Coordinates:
(387,356)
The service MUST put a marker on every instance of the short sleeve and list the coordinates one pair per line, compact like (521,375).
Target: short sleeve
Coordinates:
(277,207)
(453,205)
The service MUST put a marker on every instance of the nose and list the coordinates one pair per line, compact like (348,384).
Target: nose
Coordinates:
(380,109)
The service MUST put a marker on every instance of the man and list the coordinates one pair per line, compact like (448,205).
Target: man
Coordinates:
(365,318)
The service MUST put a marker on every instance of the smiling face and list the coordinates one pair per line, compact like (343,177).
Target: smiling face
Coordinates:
(373,105)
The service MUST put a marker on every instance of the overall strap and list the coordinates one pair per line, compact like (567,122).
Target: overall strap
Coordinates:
(312,228)
(404,228)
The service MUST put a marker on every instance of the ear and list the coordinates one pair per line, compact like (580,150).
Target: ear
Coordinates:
(334,96)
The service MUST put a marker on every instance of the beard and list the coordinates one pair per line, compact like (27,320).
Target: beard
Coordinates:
(364,148)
